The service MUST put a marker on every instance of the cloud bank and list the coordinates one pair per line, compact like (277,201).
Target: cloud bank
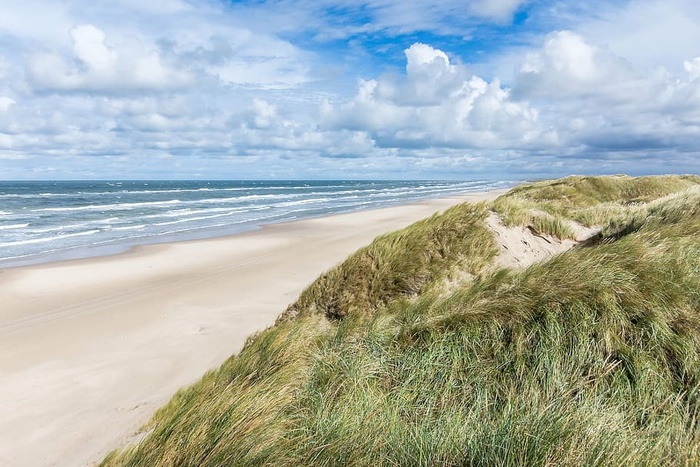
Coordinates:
(504,89)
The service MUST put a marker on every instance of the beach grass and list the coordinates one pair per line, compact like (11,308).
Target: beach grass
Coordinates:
(590,201)
(402,264)
(589,358)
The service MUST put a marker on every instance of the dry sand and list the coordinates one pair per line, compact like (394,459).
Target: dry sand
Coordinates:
(89,349)
(522,246)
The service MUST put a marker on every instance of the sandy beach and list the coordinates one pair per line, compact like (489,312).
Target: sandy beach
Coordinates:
(89,349)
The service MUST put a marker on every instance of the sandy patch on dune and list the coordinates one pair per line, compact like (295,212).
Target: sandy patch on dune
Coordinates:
(523,246)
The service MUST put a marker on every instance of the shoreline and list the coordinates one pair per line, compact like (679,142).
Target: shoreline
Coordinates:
(90,348)
(118,247)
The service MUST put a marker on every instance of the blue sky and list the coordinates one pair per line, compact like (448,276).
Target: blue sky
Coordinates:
(337,89)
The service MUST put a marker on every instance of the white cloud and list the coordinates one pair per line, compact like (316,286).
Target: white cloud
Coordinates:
(36,21)
(648,33)
(430,76)
(429,80)
(159,7)
(436,105)
(496,9)
(600,103)
(264,73)
(97,66)
(692,67)
(264,113)
(337,19)
(567,64)
(6,103)
(4,67)
(430,15)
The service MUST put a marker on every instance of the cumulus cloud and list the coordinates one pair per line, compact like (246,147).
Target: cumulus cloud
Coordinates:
(600,103)
(264,113)
(96,66)
(430,77)
(568,65)
(436,104)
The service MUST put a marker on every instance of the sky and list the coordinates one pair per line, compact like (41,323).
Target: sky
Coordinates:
(338,89)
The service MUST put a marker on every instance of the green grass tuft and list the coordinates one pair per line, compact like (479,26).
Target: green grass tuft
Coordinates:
(402,264)
(522,212)
(590,201)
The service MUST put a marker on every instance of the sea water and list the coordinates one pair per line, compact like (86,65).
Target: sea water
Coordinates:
(53,220)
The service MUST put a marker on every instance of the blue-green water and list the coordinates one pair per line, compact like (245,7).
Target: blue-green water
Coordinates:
(47,221)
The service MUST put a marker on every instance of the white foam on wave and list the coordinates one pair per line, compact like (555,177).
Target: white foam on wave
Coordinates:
(195,212)
(13,226)
(193,219)
(48,239)
(214,189)
(109,207)
(302,202)
(174,213)
(130,227)
(130,206)
(240,198)
(81,225)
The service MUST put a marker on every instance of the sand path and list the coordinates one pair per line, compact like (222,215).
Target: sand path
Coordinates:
(89,349)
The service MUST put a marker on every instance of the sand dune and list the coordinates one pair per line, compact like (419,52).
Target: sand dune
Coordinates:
(90,348)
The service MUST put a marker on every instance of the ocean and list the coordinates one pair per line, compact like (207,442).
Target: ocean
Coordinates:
(55,220)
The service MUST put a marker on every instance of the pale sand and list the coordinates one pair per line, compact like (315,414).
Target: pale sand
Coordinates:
(89,349)
(522,246)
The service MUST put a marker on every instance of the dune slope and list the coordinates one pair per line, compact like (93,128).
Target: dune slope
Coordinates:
(420,349)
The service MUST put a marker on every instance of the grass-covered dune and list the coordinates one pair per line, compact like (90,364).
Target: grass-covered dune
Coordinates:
(417,350)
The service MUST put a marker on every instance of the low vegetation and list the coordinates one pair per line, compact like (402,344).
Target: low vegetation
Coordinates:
(551,205)
(589,358)
(402,264)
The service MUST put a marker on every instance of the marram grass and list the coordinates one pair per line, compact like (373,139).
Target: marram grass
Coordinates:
(590,201)
(402,264)
(590,358)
